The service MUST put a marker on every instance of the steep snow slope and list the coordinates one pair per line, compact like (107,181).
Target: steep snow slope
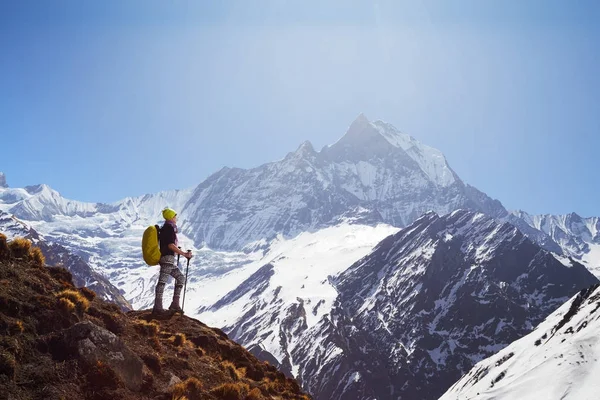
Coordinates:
(425,305)
(293,275)
(434,299)
(559,360)
(430,160)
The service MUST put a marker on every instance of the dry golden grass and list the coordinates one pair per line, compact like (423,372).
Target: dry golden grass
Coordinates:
(178,339)
(103,376)
(231,391)
(190,389)
(268,386)
(81,303)
(4,249)
(149,329)
(255,394)
(17,328)
(235,373)
(66,305)
(35,254)
(88,293)
(19,247)
(160,346)
(155,343)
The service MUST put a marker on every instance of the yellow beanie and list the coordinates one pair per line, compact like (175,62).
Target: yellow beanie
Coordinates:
(169,214)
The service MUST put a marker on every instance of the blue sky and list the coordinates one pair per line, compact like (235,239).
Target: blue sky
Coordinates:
(95,94)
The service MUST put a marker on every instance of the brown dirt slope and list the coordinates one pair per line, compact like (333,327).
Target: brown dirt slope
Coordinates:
(62,342)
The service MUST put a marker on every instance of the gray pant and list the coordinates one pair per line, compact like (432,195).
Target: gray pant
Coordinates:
(168,268)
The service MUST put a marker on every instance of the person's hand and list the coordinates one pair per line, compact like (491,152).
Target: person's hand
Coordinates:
(188,255)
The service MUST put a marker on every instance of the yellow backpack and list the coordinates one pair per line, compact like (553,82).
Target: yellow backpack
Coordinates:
(150,245)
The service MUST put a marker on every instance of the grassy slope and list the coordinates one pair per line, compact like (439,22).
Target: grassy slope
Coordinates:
(34,366)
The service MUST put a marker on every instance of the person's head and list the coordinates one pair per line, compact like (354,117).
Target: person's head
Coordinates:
(169,215)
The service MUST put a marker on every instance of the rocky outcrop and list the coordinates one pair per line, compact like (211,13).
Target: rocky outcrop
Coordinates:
(92,344)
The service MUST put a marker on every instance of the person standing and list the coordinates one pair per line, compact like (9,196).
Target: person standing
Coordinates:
(168,265)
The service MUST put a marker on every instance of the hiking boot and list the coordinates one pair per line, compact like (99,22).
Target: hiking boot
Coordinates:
(158,310)
(175,307)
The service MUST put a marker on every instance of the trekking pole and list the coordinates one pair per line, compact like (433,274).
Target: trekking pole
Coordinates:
(185,284)
(179,247)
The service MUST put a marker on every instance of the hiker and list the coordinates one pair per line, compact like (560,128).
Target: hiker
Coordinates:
(168,266)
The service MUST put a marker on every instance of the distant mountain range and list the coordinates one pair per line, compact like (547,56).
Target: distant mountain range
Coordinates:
(365,269)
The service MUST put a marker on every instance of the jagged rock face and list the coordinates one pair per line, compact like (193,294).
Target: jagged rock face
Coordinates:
(577,237)
(91,344)
(436,298)
(3,180)
(409,318)
(373,167)
(287,293)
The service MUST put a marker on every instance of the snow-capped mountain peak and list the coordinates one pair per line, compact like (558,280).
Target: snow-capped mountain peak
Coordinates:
(361,142)
(3,180)
(365,140)
(430,160)
(41,203)
(292,261)
(304,151)
(374,168)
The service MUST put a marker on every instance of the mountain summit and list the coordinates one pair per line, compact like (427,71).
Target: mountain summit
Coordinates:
(373,167)
(3,180)
(363,142)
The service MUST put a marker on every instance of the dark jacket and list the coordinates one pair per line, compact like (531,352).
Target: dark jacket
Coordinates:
(168,235)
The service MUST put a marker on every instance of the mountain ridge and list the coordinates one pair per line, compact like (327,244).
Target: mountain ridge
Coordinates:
(420,277)
(241,224)
(564,347)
